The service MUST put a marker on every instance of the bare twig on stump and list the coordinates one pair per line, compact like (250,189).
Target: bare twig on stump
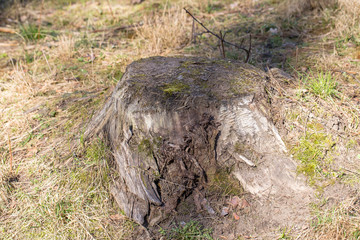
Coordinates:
(221,38)
(193,37)
(222,44)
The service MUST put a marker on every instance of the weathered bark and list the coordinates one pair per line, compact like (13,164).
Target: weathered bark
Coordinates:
(173,121)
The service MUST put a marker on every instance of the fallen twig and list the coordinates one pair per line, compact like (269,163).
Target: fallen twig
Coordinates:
(9,44)
(7,30)
(221,38)
(125,27)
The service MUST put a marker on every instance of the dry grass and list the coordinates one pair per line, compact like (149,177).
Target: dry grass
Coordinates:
(67,46)
(340,222)
(345,20)
(47,199)
(164,33)
(299,6)
(55,190)
(25,83)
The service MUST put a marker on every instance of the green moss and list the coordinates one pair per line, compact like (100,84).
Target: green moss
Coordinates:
(146,147)
(175,87)
(315,126)
(243,86)
(351,144)
(314,153)
(239,148)
(223,183)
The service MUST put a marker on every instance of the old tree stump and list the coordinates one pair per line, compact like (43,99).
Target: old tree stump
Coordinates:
(173,122)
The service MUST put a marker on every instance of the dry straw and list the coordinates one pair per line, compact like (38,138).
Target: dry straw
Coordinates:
(346,15)
(161,34)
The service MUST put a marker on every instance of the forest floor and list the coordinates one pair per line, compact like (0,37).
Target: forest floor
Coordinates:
(60,60)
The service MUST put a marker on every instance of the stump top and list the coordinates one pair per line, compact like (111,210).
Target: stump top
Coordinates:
(175,79)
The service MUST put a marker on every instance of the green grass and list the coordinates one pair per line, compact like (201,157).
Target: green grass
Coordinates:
(285,234)
(189,231)
(32,32)
(3,55)
(322,85)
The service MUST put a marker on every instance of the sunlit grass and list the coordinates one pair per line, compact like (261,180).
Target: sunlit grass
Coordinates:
(322,85)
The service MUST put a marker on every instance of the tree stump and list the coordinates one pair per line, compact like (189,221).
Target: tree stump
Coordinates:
(173,121)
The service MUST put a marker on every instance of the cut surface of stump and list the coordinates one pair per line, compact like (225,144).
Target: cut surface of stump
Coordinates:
(173,122)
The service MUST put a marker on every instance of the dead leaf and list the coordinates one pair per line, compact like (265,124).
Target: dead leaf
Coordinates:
(244,204)
(234,201)
(236,217)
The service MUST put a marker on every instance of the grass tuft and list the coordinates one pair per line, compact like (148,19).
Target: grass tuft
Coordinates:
(32,32)
(187,231)
(322,85)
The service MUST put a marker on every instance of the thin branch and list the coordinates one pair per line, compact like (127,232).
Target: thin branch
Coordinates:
(193,37)
(248,56)
(222,44)
(121,28)
(247,51)
(199,34)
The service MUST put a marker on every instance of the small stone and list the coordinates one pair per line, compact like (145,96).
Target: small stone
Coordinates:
(224,211)
(207,206)
(273,31)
